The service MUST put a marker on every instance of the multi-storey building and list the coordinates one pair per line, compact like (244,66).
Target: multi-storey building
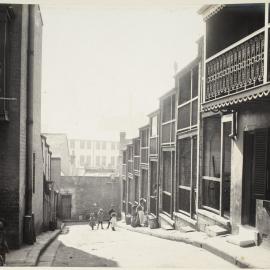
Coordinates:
(235,163)
(21,172)
(213,138)
(95,154)
(167,156)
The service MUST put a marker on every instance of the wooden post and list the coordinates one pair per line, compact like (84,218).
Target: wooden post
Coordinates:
(266,21)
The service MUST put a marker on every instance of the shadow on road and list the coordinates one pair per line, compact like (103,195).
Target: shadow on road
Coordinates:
(69,256)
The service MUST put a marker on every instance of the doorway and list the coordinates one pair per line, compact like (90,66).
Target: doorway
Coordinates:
(249,201)
(66,206)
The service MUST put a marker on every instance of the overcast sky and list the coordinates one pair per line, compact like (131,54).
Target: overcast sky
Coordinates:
(105,67)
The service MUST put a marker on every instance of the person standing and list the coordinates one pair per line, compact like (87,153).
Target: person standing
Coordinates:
(140,211)
(113,220)
(110,215)
(100,216)
(92,221)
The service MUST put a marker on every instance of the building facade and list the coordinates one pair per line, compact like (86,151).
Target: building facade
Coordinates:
(211,164)
(21,172)
(90,154)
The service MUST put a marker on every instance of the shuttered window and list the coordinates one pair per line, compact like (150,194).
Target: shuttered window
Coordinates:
(261,165)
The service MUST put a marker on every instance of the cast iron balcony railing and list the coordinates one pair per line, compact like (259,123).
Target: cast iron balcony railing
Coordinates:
(238,67)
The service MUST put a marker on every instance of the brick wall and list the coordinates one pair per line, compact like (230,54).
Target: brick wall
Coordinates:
(13,133)
(87,190)
(37,199)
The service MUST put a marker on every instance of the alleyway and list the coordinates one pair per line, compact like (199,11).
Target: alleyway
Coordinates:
(79,246)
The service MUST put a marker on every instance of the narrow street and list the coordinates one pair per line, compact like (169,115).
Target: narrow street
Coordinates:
(79,246)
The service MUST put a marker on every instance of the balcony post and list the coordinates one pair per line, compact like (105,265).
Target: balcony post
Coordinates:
(266,20)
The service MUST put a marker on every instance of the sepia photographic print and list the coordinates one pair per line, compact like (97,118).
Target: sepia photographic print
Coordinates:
(135,134)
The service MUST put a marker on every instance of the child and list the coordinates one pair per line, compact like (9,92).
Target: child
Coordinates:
(100,216)
(92,220)
(110,214)
(134,216)
(3,243)
(140,211)
(113,220)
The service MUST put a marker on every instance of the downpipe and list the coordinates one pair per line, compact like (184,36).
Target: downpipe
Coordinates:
(29,223)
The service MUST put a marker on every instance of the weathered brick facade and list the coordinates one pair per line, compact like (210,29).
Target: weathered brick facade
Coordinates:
(87,190)
(13,133)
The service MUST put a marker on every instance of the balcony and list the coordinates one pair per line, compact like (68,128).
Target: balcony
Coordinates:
(237,68)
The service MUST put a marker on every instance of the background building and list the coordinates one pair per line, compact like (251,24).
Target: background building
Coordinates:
(90,154)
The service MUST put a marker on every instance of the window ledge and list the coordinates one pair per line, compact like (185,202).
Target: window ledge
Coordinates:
(185,218)
(214,216)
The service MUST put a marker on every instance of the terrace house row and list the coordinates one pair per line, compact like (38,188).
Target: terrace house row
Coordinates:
(204,158)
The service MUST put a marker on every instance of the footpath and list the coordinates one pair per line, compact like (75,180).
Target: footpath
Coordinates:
(249,257)
(28,255)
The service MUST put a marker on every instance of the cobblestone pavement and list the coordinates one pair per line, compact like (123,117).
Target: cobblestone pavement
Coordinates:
(80,246)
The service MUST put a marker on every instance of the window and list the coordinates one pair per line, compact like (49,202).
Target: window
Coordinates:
(124,161)
(167,171)
(167,180)
(82,144)
(154,126)
(168,120)
(97,145)
(4,31)
(187,174)
(136,179)
(144,184)
(112,161)
(103,145)
(211,147)
(188,99)
(103,161)
(124,190)
(88,160)
(217,166)
(137,147)
(144,136)
(72,144)
(113,146)
(88,144)
(97,161)
(168,109)
(153,178)
(82,160)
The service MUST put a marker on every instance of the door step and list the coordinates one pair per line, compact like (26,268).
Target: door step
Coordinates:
(249,233)
(165,222)
(247,236)
(216,230)
(187,229)
(240,241)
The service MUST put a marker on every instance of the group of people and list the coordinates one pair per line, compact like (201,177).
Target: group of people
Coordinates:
(98,218)
(137,214)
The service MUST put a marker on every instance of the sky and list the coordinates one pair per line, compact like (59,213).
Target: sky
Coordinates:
(104,66)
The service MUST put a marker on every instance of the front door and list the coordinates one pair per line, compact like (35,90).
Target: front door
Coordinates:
(153,187)
(66,206)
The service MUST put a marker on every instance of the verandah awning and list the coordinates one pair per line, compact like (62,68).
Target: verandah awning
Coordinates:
(237,98)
